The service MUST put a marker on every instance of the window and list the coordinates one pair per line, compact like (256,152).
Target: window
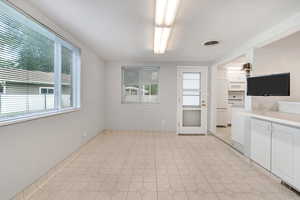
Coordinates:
(66,74)
(191,89)
(40,70)
(46,90)
(140,84)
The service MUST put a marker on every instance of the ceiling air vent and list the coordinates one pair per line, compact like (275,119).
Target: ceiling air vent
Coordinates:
(211,43)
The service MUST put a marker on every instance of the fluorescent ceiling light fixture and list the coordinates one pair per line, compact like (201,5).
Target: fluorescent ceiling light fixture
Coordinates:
(161,38)
(165,12)
(160,11)
(171,12)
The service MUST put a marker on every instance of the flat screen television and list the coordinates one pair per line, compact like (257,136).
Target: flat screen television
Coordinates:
(271,85)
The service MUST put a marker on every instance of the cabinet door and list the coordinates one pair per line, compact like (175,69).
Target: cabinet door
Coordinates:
(261,142)
(238,127)
(283,152)
(297,160)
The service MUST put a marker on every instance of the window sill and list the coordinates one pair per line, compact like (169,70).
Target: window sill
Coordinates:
(21,119)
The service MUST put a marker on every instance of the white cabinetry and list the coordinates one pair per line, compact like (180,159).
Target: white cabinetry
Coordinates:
(222,117)
(283,152)
(237,86)
(261,142)
(238,127)
(222,102)
(276,147)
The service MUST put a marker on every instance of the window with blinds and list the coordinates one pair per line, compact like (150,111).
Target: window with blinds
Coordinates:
(38,69)
(140,84)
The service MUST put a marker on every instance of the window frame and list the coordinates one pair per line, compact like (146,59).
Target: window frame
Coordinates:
(140,84)
(59,42)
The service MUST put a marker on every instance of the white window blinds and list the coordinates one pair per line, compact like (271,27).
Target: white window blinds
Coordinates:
(140,84)
(32,57)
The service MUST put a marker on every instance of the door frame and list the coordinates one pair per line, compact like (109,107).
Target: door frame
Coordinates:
(201,69)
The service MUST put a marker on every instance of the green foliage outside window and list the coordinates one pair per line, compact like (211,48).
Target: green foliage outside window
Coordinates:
(24,48)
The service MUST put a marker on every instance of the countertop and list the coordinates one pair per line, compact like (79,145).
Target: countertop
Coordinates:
(278,117)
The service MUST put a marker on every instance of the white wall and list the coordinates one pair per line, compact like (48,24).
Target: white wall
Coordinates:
(279,57)
(152,117)
(29,149)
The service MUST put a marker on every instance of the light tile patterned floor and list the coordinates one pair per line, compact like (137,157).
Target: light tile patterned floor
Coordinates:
(224,134)
(159,166)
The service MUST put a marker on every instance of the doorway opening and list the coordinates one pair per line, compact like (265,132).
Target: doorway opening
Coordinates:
(231,96)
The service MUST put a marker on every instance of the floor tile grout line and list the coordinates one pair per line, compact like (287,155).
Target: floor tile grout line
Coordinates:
(217,196)
(182,154)
(155,163)
(181,177)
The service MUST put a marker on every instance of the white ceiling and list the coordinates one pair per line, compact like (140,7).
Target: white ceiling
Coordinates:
(123,29)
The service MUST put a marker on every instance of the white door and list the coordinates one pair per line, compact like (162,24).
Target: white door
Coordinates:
(261,142)
(192,100)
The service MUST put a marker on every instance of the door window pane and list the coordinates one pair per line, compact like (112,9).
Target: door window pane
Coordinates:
(191,89)
(66,77)
(191,84)
(191,100)
(191,118)
(191,75)
(191,92)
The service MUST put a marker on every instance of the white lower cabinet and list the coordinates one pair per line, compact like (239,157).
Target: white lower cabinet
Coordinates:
(261,142)
(283,152)
(277,148)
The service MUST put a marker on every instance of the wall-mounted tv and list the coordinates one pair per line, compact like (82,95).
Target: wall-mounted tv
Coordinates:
(271,85)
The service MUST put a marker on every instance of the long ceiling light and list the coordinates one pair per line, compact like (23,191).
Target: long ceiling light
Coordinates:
(161,39)
(165,14)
